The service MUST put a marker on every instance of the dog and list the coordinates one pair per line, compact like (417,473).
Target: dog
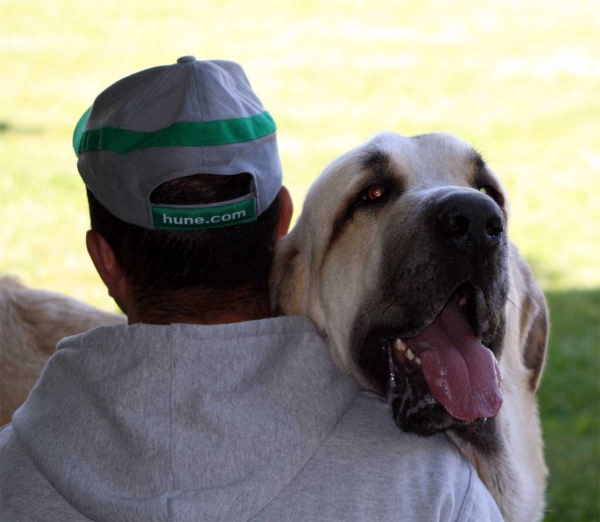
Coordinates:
(31,324)
(401,259)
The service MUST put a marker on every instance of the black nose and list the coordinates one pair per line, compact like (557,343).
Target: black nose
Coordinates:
(470,221)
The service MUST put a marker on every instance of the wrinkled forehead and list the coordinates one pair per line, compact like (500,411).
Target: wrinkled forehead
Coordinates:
(423,162)
(429,160)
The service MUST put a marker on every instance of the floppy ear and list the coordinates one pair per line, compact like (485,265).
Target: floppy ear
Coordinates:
(534,319)
(288,280)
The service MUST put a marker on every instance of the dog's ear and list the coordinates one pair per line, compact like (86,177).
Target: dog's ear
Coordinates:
(288,282)
(534,320)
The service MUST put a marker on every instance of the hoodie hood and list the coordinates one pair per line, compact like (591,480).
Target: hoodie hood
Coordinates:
(182,422)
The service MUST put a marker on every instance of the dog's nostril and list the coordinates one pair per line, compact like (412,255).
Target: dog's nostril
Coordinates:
(494,227)
(454,223)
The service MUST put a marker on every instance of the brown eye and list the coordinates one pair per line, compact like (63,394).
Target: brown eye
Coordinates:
(376,191)
(375,195)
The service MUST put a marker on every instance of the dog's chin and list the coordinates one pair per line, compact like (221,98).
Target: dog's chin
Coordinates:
(422,415)
(416,410)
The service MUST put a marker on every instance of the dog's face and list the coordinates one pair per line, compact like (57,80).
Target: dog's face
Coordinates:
(401,258)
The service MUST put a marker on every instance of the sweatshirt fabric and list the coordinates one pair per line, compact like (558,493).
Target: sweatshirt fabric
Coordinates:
(240,422)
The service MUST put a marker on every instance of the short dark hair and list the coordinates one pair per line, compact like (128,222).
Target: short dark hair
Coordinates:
(160,264)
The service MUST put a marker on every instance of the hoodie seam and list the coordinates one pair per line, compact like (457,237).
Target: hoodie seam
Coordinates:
(215,338)
(250,336)
(308,460)
(172,402)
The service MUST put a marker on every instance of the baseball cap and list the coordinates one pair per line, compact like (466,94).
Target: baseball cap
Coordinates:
(173,121)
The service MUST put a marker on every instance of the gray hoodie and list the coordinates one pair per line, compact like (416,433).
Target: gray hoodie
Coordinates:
(247,421)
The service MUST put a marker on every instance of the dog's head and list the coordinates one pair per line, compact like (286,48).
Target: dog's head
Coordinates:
(402,260)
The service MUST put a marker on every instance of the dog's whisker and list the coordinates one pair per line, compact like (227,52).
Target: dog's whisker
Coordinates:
(526,292)
(515,305)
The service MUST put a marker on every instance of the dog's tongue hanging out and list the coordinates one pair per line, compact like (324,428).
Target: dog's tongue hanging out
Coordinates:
(461,373)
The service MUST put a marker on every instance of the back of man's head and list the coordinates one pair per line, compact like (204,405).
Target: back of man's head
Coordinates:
(164,267)
(183,179)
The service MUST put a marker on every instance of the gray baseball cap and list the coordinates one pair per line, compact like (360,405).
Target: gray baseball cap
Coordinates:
(172,121)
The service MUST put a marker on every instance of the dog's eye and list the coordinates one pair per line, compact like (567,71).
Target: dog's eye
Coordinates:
(492,193)
(374,192)
(373,196)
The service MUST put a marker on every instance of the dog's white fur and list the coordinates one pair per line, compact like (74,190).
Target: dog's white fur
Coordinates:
(312,283)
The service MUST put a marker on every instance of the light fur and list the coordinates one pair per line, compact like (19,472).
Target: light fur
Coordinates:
(332,284)
(31,324)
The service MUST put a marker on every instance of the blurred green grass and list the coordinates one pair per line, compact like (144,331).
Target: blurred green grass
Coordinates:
(517,79)
(569,405)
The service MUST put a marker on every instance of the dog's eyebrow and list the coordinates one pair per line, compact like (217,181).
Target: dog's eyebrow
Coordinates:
(479,168)
(480,175)
(482,178)
(478,160)
(378,168)
(377,162)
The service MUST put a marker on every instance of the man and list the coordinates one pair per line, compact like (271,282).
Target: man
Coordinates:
(203,407)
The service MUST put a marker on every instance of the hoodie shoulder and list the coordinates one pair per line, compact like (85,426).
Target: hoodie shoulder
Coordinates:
(25,493)
(368,469)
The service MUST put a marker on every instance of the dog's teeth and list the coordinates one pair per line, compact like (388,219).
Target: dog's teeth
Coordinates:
(409,355)
(399,345)
(417,361)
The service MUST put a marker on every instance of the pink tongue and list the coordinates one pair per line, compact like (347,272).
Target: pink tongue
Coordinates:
(461,373)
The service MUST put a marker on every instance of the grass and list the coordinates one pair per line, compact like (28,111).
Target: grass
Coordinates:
(519,79)
(569,398)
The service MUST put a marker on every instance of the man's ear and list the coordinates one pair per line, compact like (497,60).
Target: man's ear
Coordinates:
(108,268)
(287,210)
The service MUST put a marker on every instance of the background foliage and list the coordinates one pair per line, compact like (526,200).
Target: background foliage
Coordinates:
(518,79)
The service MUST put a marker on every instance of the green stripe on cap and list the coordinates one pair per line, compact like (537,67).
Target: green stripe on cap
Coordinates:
(78,133)
(170,218)
(180,134)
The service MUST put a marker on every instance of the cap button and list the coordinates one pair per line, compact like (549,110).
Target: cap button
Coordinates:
(184,59)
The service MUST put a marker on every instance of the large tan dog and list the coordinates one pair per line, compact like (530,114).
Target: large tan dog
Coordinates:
(402,260)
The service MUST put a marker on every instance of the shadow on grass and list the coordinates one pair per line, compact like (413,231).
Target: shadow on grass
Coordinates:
(570,406)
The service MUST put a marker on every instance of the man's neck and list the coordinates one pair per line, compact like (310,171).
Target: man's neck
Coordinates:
(212,306)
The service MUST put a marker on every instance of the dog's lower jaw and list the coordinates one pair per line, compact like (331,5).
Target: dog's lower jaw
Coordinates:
(414,412)
(425,416)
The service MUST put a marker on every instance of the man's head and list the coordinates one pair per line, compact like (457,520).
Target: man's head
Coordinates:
(184,186)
